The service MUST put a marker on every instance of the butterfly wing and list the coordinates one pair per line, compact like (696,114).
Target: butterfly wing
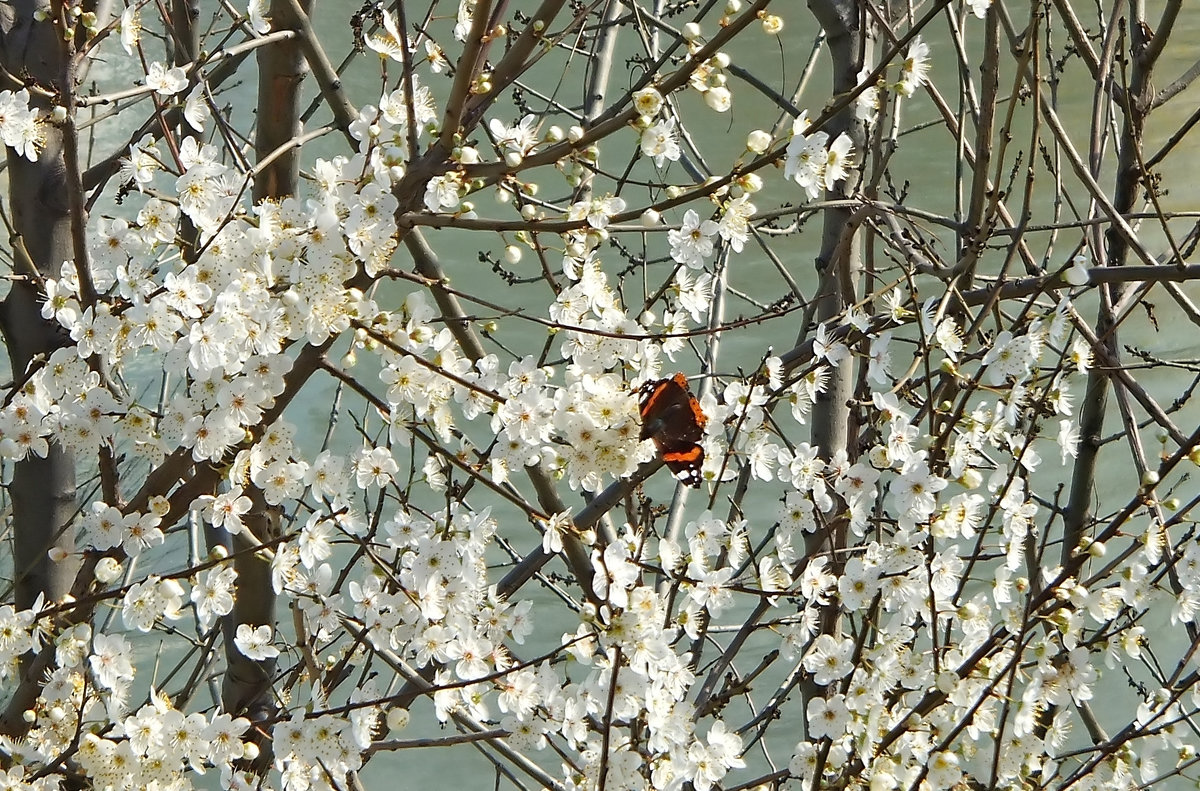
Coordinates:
(672,417)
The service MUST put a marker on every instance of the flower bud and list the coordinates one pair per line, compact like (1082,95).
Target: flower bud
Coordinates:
(397,719)
(772,24)
(971,478)
(691,32)
(1078,274)
(107,570)
(750,182)
(718,99)
(758,141)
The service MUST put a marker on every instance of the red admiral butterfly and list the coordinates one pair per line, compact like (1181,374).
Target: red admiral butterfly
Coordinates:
(672,417)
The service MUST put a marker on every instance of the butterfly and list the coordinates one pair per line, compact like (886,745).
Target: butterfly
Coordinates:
(671,416)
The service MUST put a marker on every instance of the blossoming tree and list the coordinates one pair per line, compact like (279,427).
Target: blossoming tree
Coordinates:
(860,540)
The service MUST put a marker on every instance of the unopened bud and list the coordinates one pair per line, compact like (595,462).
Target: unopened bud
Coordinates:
(397,719)
(107,570)
(772,24)
(758,141)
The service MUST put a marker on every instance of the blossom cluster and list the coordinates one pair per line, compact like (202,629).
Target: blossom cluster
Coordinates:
(922,539)
(22,127)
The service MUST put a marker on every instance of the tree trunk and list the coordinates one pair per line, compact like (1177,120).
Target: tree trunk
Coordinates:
(43,489)
(838,267)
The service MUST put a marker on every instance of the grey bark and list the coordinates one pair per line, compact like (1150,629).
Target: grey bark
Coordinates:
(838,267)
(42,489)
